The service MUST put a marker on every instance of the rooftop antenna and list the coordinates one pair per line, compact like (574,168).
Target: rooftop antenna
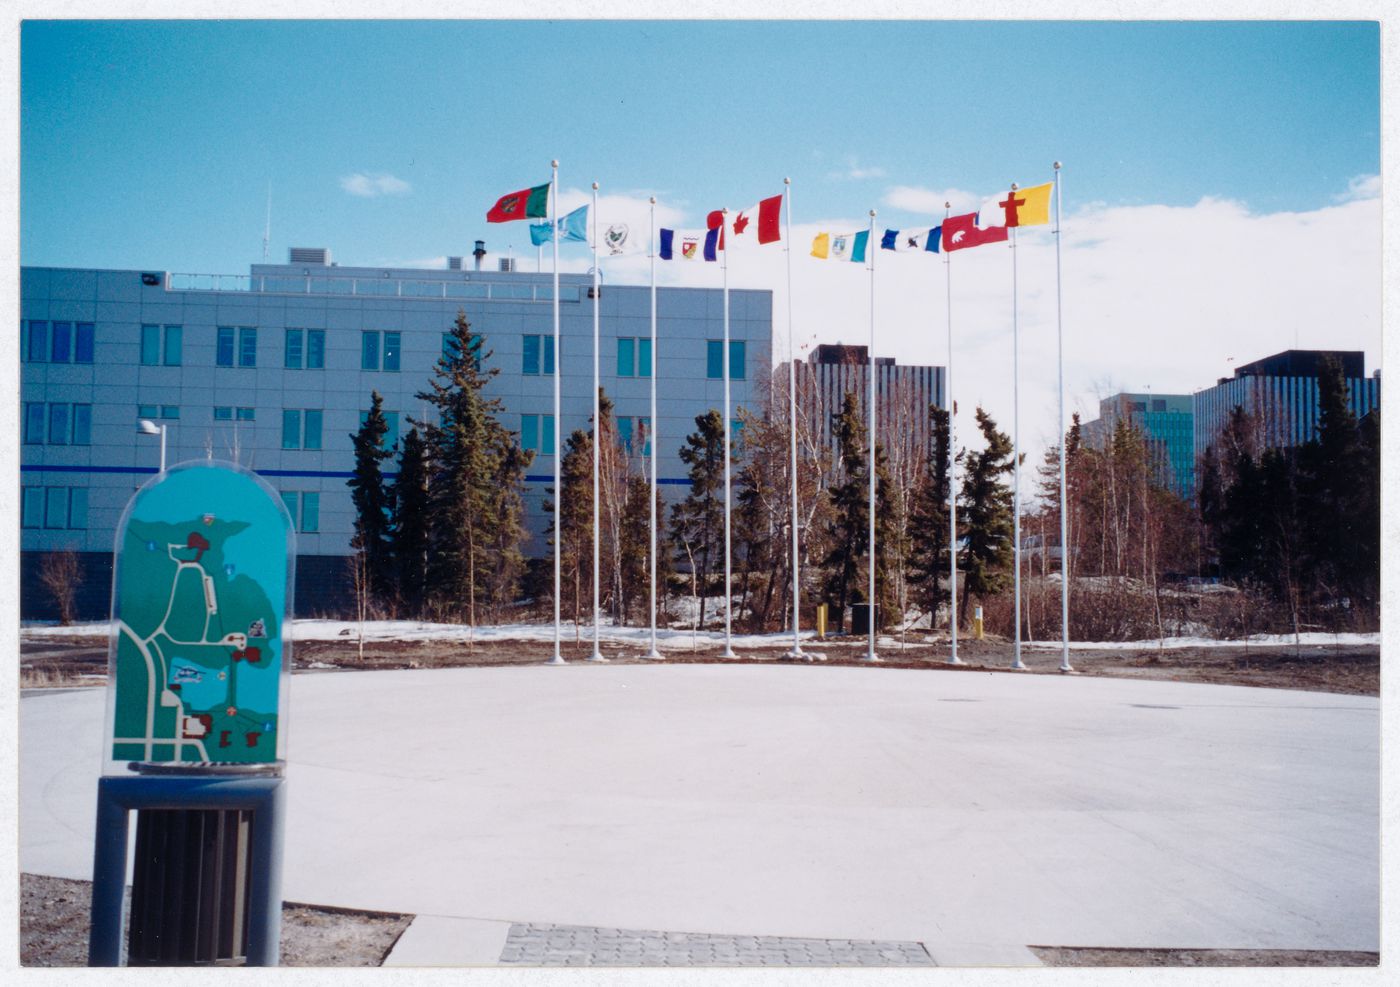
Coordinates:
(267,228)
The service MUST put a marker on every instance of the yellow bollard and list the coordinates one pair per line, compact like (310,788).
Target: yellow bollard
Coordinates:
(977,623)
(821,621)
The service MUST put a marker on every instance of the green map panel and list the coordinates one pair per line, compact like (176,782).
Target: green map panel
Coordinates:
(200,603)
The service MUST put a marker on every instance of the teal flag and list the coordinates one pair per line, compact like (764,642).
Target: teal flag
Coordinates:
(573,227)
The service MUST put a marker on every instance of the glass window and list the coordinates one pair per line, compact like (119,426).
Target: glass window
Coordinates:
(312,438)
(223,414)
(223,355)
(32,515)
(369,351)
(77,507)
(289,500)
(644,426)
(34,422)
(391,350)
(62,342)
(547,438)
(311,512)
(624,433)
(247,347)
(530,361)
(82,424)
(82,350)
(174,345)
(644,358)
(150,346)
(170,411)
(58,424)
(56,507)
(450,348)
(530,432)
(391,435)
(292,358)
(315,349)
(547,342)
(736,359)
(626,357)
(291,429)
(38,342)
(736,433)
(714,359)
(244,414)
(147,411)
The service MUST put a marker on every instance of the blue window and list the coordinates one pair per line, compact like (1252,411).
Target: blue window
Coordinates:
(624,433)
(247,347)
(644,358)
(62,342)
(82,424)
(58,424)
(450,348)
(315,349)
(32,513)
(312,437)
(174,345)
(539,355)
(369,351)
(547,436)
(223,355)
(392,342)
(82,350)
(310,512)
(530,432)
(77,507)
(38,342)
(391,430)
(626,357)
(148,411)
(223,414)
(714,359)
(293,349)
(170,411)
(291,429)
(34,418)
(244,414)
(150,346)
(56,507)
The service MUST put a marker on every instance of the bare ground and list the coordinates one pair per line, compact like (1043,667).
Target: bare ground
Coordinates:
(1353,669)
(56,914)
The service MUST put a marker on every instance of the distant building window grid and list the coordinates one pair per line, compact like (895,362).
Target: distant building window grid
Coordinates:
(301,429)
(70,342)
(537,355)
(55,508)
(633,356)
(537,434)
(373,343)
(305,508)
(228,414)
(57,423)
(714,359)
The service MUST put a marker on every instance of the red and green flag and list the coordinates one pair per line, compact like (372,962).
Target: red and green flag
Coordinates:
(528,203)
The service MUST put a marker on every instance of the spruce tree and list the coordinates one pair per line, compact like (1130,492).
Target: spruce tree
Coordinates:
(410,531)
(573,521)
(475,501)
(697,523)
(373,505)
(928,562)
(984,511)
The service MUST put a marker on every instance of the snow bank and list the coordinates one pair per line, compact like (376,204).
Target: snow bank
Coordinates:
(1256,640)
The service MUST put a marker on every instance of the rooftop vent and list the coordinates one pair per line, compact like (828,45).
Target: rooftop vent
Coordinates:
(454,263)
(320,256)
(507,264)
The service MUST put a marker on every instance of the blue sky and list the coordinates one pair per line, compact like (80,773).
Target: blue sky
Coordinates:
(151,144)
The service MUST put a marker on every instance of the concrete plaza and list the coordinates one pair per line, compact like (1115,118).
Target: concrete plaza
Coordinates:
(973,812)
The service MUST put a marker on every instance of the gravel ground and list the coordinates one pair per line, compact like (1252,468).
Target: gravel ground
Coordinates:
(55,916)
(1069,956)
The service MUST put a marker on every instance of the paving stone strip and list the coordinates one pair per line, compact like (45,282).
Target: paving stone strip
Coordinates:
(542,944)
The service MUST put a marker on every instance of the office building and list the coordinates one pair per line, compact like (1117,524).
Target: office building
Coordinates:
(1166,424)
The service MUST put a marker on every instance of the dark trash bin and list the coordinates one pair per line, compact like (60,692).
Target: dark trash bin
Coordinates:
(860,618)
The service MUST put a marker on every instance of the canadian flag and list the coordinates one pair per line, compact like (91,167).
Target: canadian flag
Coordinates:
(761,223)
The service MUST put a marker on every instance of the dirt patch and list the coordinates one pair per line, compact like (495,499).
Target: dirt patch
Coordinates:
(1071,956)
(1349,669)
(55,917)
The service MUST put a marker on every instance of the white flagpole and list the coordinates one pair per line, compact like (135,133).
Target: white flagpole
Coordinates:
(953,658)
(558,658)
(655,449)
(728,590)
(870,247)
(796,651)
(1064,511)
(1015,451)
(597,435)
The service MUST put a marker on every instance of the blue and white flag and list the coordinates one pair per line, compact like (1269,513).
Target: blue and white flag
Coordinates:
(574,227)
(912,240)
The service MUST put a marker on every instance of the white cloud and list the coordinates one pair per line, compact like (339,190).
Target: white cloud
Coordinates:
(1153,296)
(930,202)
(1360,187)
(854,171)
(369,186)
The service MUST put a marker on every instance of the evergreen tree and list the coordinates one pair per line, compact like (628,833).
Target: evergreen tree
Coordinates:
(850,527)
(409,532)
(475,503)
(1334,490)
(697,523)
(574,519)
(929,560)
(373,505)
(984,511)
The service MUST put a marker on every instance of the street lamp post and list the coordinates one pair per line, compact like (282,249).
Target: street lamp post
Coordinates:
(147,427)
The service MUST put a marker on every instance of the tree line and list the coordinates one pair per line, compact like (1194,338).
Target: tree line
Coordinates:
(1294,528)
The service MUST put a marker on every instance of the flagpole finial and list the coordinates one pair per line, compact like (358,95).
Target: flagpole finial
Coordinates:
(1057,166)
(595,186)
(554,163)
(1014,186)
(787,181)
(653,200)
(947,205)
(872,214)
